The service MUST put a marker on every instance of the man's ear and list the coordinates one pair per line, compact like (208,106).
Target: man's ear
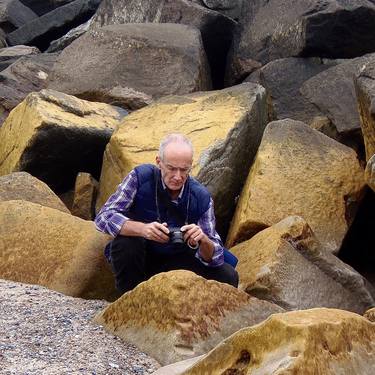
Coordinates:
(157,159)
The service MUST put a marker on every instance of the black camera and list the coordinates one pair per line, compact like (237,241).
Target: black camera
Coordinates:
(176,236)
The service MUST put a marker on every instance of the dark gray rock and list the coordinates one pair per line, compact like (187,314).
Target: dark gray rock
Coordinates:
(10,55)
(13,14)
(273,29)
(27,74)
(283,79)
(216,28)
(41,7)
(153,59)
(67,39)
(53,25)
(333,93)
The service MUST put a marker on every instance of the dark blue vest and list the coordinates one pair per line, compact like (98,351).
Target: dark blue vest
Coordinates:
(153,203)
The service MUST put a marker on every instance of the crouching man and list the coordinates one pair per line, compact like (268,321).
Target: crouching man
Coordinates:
(162,220)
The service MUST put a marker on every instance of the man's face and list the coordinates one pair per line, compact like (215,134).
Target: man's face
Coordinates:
(176,165)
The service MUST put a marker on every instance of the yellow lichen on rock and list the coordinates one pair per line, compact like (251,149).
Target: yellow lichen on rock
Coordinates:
(39,113)
(299,171)
(177,314)
(41,245)
(309,342)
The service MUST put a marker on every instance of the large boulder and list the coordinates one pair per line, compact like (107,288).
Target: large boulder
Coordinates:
(9,55)
(370,315)
(54,136)
(317,341)
(225,127)
(177,315)
(332,92)
(53,249)
(283,79)
(23,186)
(26,75)
(13,14)
(216,29)
(155,59)
(365,90)
(300,171)
(275,29)
(53,25)
(286,265)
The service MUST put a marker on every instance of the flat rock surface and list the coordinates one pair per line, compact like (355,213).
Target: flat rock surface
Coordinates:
(45,332)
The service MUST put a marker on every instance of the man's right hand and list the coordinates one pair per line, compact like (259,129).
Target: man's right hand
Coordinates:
(156,232)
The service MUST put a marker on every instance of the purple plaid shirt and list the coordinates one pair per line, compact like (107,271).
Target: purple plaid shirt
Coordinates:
(112,217)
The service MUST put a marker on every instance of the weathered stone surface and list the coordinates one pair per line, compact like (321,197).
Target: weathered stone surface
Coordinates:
(216,29)
(155,59)
(9,55)
(275,29)
(77,132)
(286,265)
(53,25)
(41,7)
(370,315)
(85,191)
(333,93)
(13,14)
(370,173)
(283,79)
(26,75)
(365,90)
(299,171)
(53,249)
(177,315)
(177,368)
(225,127)
(68,38)
(23,186)
(310,342)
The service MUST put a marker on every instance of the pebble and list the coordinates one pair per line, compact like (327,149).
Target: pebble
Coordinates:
(46,332)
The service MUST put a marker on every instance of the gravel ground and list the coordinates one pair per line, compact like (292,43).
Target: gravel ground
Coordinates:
(46,332)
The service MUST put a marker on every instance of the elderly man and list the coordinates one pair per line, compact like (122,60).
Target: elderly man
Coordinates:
(144,212)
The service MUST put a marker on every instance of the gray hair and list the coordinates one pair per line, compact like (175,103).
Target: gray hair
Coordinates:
(174,138)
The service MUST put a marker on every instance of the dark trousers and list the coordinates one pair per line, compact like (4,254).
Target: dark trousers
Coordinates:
(132,262)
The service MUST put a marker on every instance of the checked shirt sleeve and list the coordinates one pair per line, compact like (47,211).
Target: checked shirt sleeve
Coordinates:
(112,215)
(207,223)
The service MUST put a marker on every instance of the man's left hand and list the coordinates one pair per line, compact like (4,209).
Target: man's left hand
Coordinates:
(193,234)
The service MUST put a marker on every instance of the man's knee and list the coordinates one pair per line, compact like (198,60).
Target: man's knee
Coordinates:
(226,274)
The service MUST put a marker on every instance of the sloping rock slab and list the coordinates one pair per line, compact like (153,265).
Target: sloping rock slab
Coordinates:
(225,127)
(10,55)
(285,264)
(41,7)
(216,29)
(283,28)
(300,171)
(54,24)
(23,186)
(53,249)
(177,315)
(283,79)
(370,173)
(13,14)
(155,59)
(310,342)
(333,93)
(370,315)
(54,136)
(26,75)
(365,90)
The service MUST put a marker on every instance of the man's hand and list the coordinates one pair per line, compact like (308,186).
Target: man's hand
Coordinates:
(156,232)
(193,234)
